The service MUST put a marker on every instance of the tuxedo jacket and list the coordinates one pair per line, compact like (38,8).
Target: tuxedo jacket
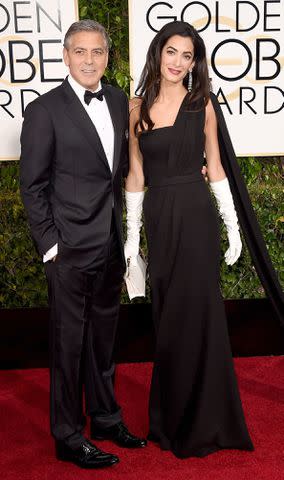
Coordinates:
(67,187)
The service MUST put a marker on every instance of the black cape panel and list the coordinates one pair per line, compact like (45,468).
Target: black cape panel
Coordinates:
(247,217)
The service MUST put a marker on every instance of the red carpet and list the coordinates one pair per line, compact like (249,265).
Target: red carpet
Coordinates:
(27,449)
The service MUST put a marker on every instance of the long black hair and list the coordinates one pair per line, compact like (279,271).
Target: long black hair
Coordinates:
(149,84)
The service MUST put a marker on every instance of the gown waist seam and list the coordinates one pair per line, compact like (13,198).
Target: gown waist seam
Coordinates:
(174,180)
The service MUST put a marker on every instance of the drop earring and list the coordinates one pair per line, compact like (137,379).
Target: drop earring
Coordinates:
(189,85)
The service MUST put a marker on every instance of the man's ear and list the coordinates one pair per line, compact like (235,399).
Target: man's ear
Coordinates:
(66,57)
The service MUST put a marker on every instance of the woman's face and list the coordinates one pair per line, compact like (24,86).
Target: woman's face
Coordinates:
(177,58)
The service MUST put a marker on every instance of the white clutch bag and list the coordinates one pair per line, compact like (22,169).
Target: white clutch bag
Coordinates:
(135,278)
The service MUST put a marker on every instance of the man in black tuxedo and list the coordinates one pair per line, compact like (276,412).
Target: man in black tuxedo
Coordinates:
(74,154)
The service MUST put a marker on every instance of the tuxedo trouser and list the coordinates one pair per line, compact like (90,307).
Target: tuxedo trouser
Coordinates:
(84,314)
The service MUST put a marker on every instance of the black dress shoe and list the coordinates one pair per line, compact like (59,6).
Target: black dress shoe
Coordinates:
(119,434)
(86,455)
(152,437)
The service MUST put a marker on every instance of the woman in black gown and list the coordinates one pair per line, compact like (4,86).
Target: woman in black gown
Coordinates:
(195,408)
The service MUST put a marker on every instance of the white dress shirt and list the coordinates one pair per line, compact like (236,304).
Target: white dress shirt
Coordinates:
(99,114)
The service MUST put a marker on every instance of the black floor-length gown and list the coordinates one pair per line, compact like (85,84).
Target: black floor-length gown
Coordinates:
(195,408)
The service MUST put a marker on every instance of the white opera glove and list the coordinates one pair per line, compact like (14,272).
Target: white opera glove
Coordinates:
(134,201)
(223,195)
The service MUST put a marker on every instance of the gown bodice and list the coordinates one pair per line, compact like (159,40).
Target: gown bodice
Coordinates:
(176,150)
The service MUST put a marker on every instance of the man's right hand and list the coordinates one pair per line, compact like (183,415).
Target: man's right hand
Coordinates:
(51,254)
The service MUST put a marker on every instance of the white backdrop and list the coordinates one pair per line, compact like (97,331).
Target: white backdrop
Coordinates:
(31,35)
(245,42)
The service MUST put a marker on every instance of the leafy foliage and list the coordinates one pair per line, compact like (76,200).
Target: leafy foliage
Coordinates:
(264,179)
(22,281)
(114,16)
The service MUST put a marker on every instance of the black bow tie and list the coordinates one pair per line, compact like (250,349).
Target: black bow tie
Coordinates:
(89,95)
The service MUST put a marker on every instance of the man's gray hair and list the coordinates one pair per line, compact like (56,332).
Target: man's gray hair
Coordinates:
(86,26)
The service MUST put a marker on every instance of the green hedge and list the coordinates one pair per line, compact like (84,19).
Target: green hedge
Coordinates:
(113,14)
(264,179)
(22,282)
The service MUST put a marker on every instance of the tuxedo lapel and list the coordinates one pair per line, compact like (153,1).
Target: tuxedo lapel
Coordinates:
(115,113)
(81,119)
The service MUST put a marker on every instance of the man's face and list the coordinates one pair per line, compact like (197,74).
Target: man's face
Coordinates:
(86,56)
